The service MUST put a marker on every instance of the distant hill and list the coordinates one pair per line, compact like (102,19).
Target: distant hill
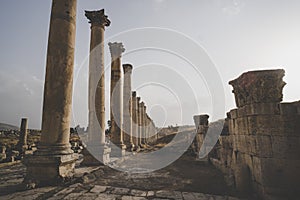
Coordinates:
(7,127)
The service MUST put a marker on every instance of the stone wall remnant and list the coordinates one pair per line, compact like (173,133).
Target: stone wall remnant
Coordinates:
(261,150)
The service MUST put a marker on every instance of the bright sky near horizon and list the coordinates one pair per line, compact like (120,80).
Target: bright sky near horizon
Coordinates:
(237,35)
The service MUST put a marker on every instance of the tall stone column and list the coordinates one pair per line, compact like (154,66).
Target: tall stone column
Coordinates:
(144,131)
(98,21)
(96,97)
(147,129)
(141,124)
(127,107)
(134,120)
(201,123)
(22,143)
(116,97)
(137,124)
(139,118)
(54,160)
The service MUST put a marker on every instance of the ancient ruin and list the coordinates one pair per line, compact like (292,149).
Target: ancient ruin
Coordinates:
(256,155)
(260,153)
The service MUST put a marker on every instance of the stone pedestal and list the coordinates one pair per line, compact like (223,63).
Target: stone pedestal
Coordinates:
(49,169)
(54,160)
(116,97)
(96,154)
(96,133)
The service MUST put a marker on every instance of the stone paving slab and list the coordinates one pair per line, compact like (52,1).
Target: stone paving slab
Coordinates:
(12,176)
(101,192)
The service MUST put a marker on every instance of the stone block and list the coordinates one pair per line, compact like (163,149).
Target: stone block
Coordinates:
(132,198)
(168,194)
(233,114)
(265,125)
(226,142)
(286,147)
(262,109)
(263,146)
(40,168)
(241,127)
(231,126)
(291,125)
(120,191)
(150,193)
(139,193)
(242,178)
(280,173)
(290,108)
(98,189)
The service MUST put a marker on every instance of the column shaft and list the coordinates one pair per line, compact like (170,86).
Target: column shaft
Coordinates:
(134,120)
(54,158)
(127,106)
(96,96)
(116,108)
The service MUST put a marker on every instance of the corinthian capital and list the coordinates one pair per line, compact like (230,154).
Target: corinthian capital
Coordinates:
(97,18)
(116,49)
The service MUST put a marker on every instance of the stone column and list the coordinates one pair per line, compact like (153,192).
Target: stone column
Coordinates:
(144,122)
(127,107)
(54,160)
(201,123)
(116,108)
(22,144)
(96,97)
(141,124)
(135,120)
(148,134)
(139,114)
(98,21)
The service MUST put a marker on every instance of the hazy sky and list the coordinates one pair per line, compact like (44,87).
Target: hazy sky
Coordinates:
(235,35)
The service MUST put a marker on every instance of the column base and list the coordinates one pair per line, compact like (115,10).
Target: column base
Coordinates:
(48,169)
(118,151)
(137,148)
(96,155)
(131,147)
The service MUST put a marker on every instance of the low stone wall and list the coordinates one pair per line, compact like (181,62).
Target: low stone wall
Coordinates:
(261,152)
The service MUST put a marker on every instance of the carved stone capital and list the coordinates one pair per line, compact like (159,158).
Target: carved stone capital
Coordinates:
(116,49)
(97,18)
(127,68)
(133,93)
(263,86)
